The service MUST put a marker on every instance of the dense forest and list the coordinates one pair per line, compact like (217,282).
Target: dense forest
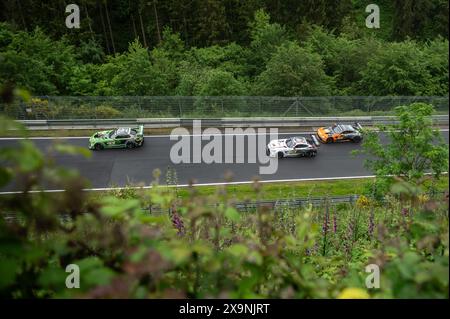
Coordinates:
(231,47)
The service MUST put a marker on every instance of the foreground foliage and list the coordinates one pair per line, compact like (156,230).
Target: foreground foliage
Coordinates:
(415,149)
(200,246)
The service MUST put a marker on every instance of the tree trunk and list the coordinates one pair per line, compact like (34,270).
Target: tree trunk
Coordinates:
(186,34)
(22,17)
(109,27)
(134,27)
(157,22)
(144,38)
(104,30)
(89,20)
(133,22)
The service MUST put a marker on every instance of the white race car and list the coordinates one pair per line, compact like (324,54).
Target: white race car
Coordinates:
(293,147)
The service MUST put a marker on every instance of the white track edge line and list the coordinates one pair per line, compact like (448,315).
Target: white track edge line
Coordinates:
(206,184)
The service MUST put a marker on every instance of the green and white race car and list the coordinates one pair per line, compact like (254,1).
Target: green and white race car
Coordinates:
(124,137)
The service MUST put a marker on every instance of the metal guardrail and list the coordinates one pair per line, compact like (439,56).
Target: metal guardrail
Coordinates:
(296,203)
(279,203)
(250,206)
(220,122)
(286,203)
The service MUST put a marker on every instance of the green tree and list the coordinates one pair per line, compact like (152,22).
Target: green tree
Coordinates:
(239,14)
(216,82)
(133,73)
(209,82)
(326,13)
(436,63)
(201,64)
(210,25)
(419,19)
(344,58)
(294,71)
(36,62)
(82,79)
(398,69)
(231,58)
(266,37)
(172,45)
(90,51)
(414,147)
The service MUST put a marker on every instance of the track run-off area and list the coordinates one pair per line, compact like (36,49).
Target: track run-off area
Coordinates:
(121,167)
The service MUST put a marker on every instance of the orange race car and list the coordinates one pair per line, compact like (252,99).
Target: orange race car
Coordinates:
(340,133)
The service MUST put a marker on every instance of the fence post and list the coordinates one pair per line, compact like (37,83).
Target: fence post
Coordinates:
(223,113)
(96,109)
(137,104)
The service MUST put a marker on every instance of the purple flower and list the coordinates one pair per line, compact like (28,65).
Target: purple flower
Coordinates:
(348,239)
(334,223)
(371,222)
(178,224)
(325,228)
(405,212)
(325,223)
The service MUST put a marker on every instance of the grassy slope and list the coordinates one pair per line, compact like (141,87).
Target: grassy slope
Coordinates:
(297,189)
(270,191)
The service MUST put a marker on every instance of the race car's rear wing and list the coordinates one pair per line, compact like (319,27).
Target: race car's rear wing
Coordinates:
(357,126)
(315,140)
(140,130)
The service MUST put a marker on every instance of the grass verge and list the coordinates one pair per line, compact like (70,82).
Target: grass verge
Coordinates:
(289,190)
(270,191)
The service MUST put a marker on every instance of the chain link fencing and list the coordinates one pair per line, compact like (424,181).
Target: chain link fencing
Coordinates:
(111,107)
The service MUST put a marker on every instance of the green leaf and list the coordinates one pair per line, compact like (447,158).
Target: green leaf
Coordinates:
(30,157)
(180,254)
(238,250)
(118,208)
(255,257)
(93,273)
(96,277)
(5,176)
(53,277)
(152,220)
(22,93)
(232,214)
(8,272)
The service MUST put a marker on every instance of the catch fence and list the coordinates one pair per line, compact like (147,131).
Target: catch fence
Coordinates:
(115,107)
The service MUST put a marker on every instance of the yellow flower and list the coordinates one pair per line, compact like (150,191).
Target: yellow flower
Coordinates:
(363,202)
(353,293)
(423,198)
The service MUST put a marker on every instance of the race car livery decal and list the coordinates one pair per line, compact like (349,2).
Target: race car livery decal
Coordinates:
(124,137)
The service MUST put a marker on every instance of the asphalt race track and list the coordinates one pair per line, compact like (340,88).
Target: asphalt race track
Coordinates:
(117,167)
